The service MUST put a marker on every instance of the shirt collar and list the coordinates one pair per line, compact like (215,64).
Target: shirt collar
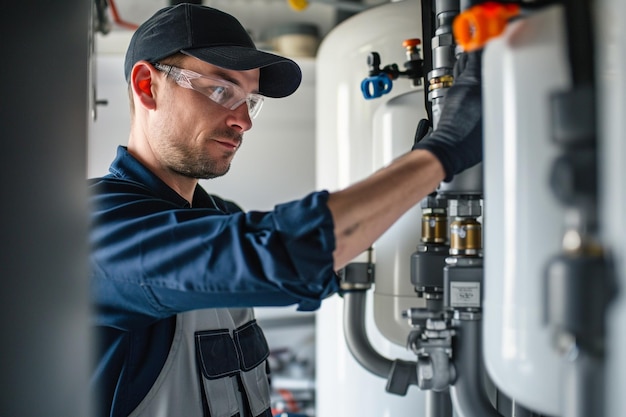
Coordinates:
(125,166)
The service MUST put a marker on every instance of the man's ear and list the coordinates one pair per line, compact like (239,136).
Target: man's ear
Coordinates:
(141,81)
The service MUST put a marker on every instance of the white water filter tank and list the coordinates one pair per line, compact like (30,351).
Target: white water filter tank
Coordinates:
(394,132)
(523,220)
(611,48)
(350,145)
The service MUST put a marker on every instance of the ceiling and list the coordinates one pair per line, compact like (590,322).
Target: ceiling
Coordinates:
(257,16)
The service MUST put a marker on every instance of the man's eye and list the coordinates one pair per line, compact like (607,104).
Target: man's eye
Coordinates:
(219,92)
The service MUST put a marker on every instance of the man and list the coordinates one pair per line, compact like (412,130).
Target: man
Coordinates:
(175,271)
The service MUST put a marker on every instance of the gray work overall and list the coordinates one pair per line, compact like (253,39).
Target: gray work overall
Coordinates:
(216,367)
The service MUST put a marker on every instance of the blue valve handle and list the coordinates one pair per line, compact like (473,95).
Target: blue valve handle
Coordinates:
(376,86)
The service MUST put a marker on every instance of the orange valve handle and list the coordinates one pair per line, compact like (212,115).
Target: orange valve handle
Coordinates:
(478,24)
(409,43)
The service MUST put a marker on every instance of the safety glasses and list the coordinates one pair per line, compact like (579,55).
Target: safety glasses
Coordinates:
(222,92)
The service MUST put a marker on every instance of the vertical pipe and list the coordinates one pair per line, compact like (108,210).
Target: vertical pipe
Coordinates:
(583,393)
(438,404)
(468,392)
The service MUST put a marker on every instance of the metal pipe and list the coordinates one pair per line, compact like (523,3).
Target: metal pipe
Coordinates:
(468,391)
(398,373)
(356,336)
(583,388)
(438,404)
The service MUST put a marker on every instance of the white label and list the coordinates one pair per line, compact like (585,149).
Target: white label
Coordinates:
(465,294)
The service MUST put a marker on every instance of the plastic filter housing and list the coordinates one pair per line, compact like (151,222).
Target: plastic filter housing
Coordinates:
(523,221)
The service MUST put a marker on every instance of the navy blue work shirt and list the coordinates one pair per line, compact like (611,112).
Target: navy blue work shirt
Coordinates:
(154,255)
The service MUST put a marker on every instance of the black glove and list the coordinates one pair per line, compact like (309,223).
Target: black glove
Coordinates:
(423,129)
(458,140)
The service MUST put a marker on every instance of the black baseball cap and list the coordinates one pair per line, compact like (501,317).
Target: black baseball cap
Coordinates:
(214,37)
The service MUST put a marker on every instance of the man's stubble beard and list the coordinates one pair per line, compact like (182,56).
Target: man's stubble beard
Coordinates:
(203,168)
(188,161)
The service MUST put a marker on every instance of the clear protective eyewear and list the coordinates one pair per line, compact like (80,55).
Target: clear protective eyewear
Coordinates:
(222,92)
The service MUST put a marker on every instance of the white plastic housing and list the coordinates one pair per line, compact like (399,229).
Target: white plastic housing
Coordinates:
(523,221)
(394,130)
(611,71)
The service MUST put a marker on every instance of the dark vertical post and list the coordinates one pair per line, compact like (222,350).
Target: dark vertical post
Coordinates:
(44,300)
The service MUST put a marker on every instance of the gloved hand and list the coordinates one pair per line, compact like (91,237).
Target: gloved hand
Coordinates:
(423,129)
(458,140)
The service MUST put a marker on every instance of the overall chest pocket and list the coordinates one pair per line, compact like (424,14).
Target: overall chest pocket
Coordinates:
(231,365)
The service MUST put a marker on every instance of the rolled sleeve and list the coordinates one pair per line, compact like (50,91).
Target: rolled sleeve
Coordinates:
(155,260)
(306,228)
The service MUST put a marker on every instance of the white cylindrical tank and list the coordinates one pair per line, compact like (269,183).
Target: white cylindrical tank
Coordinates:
(346,153)
(611,48)
(394,130)
(523,221)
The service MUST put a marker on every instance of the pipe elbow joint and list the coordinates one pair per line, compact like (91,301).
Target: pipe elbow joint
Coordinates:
(435,372)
